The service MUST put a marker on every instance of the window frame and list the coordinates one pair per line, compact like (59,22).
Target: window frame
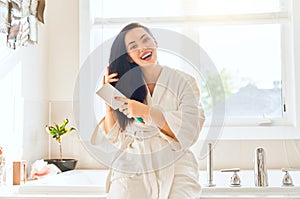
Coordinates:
(245,128)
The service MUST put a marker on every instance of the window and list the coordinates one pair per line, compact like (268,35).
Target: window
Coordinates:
(244,54)
(247,40)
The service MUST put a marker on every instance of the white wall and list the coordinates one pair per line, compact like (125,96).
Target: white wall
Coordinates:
(28,140)
(35,93)
(63,67)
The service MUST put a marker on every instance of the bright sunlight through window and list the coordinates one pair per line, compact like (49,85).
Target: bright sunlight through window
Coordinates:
(245,39)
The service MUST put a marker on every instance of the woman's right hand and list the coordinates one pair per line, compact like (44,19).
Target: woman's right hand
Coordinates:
(109,78)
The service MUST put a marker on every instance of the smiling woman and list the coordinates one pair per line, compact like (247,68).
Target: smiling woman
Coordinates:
(167,100)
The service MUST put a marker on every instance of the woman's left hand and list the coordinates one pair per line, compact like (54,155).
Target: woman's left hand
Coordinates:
(133,108)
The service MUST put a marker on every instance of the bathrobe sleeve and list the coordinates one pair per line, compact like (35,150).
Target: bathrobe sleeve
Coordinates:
(114,136)
(187,120)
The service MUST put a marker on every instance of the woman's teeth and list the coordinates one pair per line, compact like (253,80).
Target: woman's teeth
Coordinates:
(146,56)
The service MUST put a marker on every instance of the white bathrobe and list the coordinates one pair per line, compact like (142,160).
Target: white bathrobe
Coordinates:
(151,165)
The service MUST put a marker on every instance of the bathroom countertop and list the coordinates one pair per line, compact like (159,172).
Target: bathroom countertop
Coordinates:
(91,184)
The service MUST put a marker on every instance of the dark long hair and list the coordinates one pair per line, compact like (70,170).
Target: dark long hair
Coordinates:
(131,82)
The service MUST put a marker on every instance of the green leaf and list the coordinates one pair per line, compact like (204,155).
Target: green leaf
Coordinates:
(66,121)
(57,127)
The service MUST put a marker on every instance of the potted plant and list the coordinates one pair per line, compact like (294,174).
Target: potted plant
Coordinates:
(57,131)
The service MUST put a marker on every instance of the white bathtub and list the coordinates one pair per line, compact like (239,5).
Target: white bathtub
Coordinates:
(91,184)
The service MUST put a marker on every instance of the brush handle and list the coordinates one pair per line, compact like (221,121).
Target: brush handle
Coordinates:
(139,119)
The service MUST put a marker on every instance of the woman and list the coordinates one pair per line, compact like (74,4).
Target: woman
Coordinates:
(154,160)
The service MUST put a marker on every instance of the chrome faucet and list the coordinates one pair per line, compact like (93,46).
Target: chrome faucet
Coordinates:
(260,169)
(209,167)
